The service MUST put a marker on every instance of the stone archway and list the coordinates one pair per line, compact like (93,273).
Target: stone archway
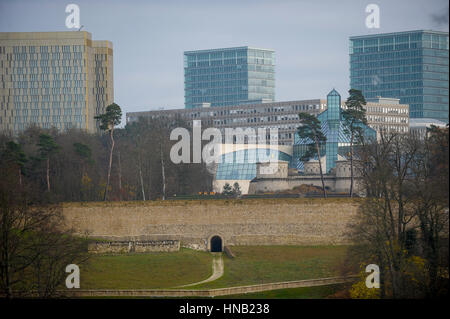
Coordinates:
(216,244)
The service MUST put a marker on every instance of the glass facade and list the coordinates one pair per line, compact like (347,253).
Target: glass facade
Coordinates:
(241,165)
(333,117)
(228,76)
(338,141)
(411,66)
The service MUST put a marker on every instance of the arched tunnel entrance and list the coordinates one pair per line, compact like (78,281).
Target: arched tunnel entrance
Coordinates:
(216,244)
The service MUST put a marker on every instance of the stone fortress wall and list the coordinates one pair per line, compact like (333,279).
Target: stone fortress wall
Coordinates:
(283,221)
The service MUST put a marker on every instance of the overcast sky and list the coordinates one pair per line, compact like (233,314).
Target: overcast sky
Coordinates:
(310,38)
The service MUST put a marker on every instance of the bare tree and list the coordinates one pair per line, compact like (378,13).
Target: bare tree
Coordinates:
(34,249)
(394,209)
(430,189)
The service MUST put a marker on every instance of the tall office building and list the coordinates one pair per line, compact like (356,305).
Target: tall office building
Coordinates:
(411,66)
(231,76)
(54,79)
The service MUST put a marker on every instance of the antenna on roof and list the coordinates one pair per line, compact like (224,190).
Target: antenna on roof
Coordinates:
(81,28)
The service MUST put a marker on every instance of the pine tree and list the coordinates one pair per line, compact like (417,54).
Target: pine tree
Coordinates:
(354,118)
(108,121)
(311,129)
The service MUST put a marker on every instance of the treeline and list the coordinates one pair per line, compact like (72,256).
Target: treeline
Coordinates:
(39,168)
(73,165)
(402,225)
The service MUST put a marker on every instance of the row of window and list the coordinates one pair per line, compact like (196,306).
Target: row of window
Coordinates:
(45,49)
(227,54)
(226,90)
(67,125)
(387,119)
(400,88)
(48,111)
(385,63)
(45,70)
(43,77)
(401,77)
(229,69)
(57,96)
(397,55)
(66,85)
(44,56)
(42,63)
(48,119)
(396,70)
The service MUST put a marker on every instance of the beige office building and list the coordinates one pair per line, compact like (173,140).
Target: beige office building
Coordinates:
(54,79)
(387,115)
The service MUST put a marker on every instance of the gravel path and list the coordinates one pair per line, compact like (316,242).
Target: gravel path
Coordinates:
(217,266)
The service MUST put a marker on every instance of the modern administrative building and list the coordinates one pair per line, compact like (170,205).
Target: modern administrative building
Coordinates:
(230,76)
(411,66)
(54,79)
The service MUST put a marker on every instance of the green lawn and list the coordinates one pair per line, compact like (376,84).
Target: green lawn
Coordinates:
(252,265)
(146,271)
(266,264)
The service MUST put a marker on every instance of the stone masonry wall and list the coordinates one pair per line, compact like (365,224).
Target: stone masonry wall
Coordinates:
(123,247)
(282,221)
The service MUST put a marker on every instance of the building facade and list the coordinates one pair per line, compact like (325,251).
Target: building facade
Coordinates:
(411,66)
(239,162)
(420,127)
(382,114)
(229,76)
(387,115)
(54,79)
(280,115)
(338,180)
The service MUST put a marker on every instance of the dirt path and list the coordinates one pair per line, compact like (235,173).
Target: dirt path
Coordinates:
(217,266)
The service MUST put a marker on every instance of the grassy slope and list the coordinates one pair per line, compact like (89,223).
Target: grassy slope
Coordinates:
(265,264)
(252,265)
(146,271)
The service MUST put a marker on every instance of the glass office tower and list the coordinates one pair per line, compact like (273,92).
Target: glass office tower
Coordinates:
(231,76)
(411,66)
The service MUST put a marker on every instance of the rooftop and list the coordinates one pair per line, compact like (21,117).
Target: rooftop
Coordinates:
(226,49)
(396,33)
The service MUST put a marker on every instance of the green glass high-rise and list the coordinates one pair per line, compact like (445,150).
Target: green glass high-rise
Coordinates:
(230,76)
(411,66)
